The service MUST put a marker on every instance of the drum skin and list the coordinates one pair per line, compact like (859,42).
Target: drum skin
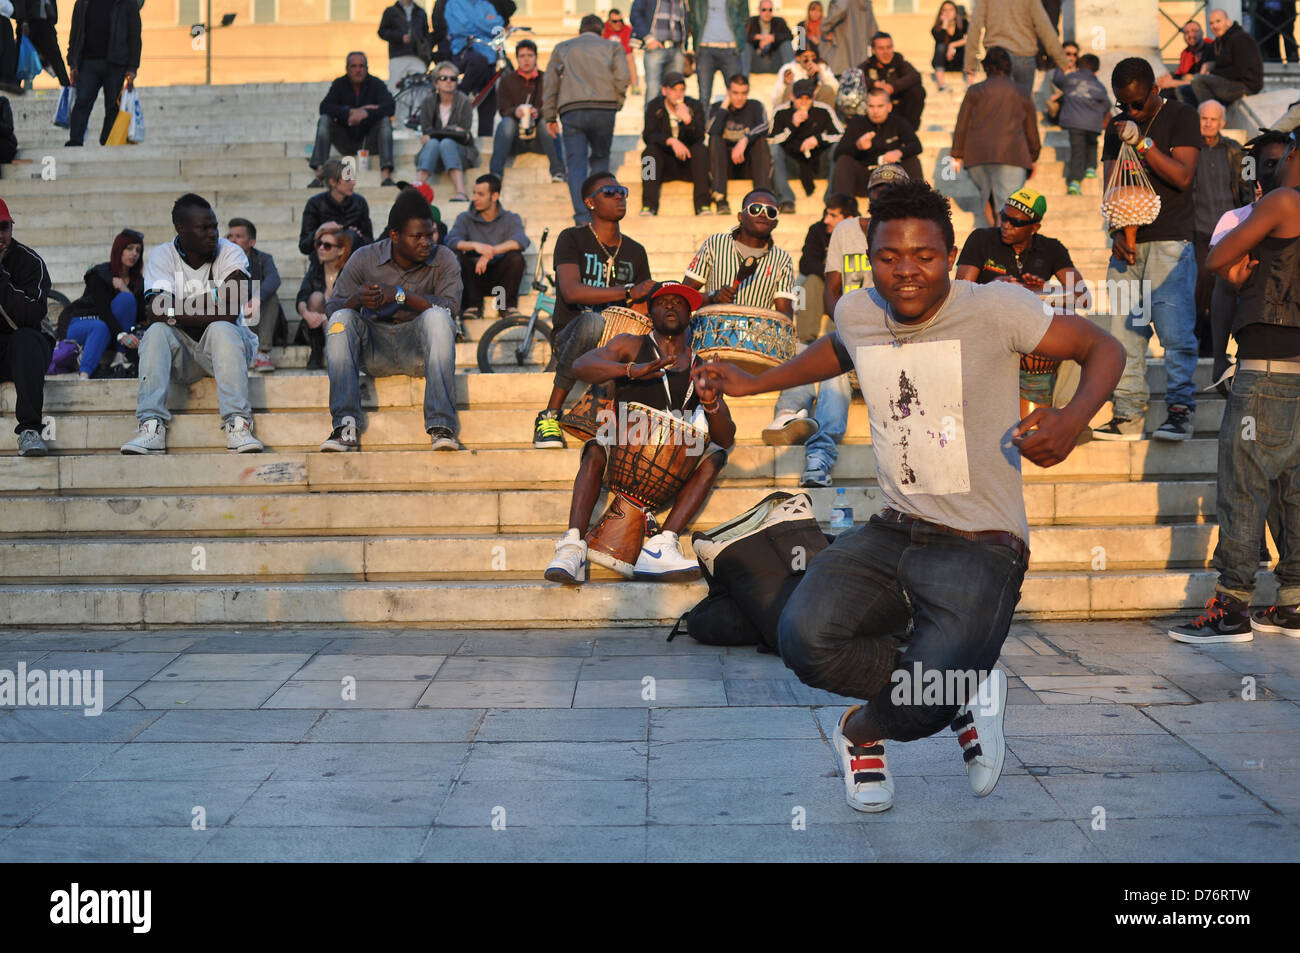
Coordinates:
(620,320)
(753,339)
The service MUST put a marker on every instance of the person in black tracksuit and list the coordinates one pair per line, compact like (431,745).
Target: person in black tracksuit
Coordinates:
(892,139)
(663,122)
(24,350)
(39,18)
(792,126)
(103,53)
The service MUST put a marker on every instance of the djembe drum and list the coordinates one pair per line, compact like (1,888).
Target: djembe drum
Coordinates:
(753,339)
(1038,378)
(584,417)
(646,470)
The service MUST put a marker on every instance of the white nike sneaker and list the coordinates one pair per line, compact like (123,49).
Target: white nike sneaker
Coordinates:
(239,436)
(570,562)
(789,428)
(979,732)
(868,785)
(150,438)
(661,558)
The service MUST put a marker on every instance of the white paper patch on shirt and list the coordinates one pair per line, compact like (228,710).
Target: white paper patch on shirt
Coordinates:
(917,414)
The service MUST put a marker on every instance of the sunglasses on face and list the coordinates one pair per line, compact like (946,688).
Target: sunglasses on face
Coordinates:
(1133,107)
(614,22)
(324,244)
(446,79)
(612,191)
(1014,222)
(758,208)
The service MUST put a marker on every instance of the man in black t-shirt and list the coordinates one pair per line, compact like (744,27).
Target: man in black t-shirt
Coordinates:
(655,370)
(596,265)
(1016,251)
(1156,280)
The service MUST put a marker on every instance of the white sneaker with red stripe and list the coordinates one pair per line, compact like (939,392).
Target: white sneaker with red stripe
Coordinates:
(979,732)
(868,785)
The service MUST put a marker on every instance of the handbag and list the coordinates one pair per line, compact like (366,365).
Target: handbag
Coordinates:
(66,357)
(64,109)
(131,106)
(121,125)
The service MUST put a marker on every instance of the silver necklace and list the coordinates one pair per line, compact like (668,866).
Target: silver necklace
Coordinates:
(890,321)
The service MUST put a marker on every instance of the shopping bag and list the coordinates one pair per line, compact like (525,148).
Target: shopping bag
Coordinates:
(131,106)
(117,135)
(64,109)
(29,64)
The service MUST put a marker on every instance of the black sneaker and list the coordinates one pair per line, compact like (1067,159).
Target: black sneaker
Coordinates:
(1119,428)
(1178,425)
(1277,620)
(786,208)
(547,434)
(343,438)
(722,206)
(648,211)
(1225,619)
(443,439)
(704,210)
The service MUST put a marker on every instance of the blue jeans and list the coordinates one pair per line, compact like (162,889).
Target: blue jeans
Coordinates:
(831,413)
(423,347)
(1023,69)
(1247,467)
(170,356)
(846,627)
(657,63)
(751,61)
(438,154)
(996,183)
(725,60)
(588,135)
(93,336)
(506,141)
(1168,269)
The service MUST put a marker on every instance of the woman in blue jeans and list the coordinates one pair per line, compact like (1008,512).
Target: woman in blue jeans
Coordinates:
(445,118)
(111,305)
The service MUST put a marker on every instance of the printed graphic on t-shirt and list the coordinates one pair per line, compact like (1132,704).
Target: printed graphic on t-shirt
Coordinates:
(595,271)
(914,402)
(855,271)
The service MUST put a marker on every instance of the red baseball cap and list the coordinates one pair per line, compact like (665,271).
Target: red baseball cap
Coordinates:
(4,212)
(693,298)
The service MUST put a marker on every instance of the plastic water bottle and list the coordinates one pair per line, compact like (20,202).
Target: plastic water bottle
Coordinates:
(841,512)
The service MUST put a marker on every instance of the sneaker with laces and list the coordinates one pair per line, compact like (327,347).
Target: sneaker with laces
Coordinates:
(1225,619)
(1090,173)
(722,206)
(789,427)
(150,438)
(570,562)
(443,439)
(661,558)
(1119,428)
(30,444)
(547,434)
(239,436)
(704,210)
(263,363)
(648,212)
(868,785)
(978,727)
(1177,426)
(1277,620)
(560,177)
(815,474)
(343,438)
(785,208)
(1074,188)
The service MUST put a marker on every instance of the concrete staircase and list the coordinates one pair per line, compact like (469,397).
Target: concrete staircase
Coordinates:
(398,534)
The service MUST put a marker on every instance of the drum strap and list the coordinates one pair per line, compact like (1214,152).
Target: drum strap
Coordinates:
(690,388)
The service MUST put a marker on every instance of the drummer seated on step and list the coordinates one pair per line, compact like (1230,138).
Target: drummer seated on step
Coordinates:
(655,370)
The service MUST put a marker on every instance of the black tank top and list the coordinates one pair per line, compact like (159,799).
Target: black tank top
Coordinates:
(651,390)
(1272,295)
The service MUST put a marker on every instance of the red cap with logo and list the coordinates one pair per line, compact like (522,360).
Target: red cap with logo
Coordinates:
(4,212)
(693,298)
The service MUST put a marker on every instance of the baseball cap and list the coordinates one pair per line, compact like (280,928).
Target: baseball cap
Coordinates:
(1030,202)
(803,87)
(4,212)
(674,79)
(886,175)
(693,298)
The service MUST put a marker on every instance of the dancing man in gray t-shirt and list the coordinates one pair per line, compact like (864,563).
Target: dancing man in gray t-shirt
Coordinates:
(910,610)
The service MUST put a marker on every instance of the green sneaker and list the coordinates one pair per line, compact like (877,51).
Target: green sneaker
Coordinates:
(547,434)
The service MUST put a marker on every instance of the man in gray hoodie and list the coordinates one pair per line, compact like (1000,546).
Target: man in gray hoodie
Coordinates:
(586,84)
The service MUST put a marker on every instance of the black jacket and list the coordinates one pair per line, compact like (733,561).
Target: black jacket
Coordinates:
(24,287)
(8,141)
(899,74)
(813,259)
(123,36)
(658,128)
(97,301)
(780,32)
(31,10)
(392,27)
(342,97)
(321,208)
(1236,56)
(821,122)
(894,133)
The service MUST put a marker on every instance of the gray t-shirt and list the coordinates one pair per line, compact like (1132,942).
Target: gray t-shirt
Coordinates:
(943,404)
(847,254)
(716,27)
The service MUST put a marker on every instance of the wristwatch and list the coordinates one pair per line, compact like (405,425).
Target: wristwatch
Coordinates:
(1142,147)
(627,293)
(400,296)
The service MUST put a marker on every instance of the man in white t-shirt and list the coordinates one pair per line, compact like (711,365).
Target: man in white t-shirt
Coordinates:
(196,287)
(911,609)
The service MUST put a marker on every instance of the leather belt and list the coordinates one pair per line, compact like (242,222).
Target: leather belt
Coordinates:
(1290,366)
(997,536)
(718,46)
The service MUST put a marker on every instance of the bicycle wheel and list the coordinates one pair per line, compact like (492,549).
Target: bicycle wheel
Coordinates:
(55,302)
(498,348)
(407,102)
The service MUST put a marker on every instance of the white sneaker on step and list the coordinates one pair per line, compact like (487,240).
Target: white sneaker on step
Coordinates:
(789,428)
(239,436)
(150,438)
(661,558)
(570,562)
(868,785)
